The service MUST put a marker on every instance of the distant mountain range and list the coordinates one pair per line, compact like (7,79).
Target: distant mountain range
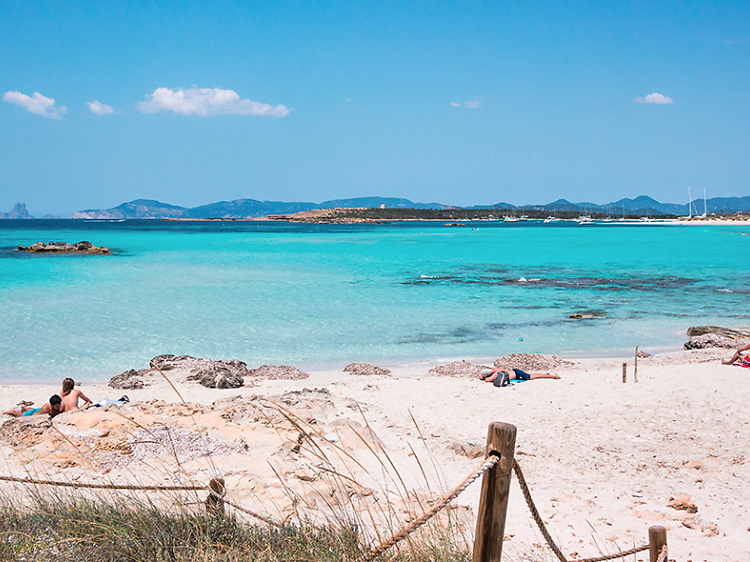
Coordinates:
(252,208)
(240,208)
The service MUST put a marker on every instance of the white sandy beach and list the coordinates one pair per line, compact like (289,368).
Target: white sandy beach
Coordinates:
(603,458)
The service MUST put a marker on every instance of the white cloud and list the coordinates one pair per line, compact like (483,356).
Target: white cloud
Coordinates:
(471,104)
(100,108)
(655,98)
(36,104)
(206,102)
(348,100)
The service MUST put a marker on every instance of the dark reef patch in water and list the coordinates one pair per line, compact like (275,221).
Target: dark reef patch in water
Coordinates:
(461,334)
(576,283)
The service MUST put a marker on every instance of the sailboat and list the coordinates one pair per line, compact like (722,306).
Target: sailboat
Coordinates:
(690,205)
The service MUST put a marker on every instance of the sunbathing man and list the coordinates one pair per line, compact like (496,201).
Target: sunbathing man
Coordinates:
(502,377)
(70,396)
(52,408)
(744,360)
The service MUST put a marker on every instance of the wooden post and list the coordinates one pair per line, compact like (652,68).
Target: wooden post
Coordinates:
(657,538)
(635,365)
(493,501)
(624,372)
(214,505)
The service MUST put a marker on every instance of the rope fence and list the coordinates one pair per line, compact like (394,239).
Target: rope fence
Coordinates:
(545,533)
(99,486)
(496,469)
(424,518)
(221,498)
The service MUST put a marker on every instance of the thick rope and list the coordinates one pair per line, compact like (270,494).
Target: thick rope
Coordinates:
(548,537)
(425,517)
(662,554)
(622,554)
(263,518)
(97,486)
(535,512)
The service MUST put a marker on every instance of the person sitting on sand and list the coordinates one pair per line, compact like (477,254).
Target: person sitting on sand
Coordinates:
(744,360)
(70,396)
(52,408)
(502,377)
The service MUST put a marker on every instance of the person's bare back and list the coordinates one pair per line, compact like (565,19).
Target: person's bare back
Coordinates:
(71,396)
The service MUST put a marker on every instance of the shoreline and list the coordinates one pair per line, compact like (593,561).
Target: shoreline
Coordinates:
(426,363)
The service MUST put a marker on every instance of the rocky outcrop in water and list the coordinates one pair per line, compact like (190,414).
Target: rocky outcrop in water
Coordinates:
(365,369)
(17,212)
(219,375)
(223,373)
(707,341)
(83,247)
(734,333)
(129,380)
(705,337)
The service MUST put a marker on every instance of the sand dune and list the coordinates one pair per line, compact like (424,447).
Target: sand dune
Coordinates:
(604,459)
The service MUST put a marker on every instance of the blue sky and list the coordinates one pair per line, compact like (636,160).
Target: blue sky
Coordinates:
(457,102)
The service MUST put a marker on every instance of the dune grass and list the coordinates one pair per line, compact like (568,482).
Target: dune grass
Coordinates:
(51,524)
(67,530)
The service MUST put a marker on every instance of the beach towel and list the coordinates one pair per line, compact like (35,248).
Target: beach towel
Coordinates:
(745,362)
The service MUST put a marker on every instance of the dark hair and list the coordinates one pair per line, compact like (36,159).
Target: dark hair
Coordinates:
(68,385)
(54,400)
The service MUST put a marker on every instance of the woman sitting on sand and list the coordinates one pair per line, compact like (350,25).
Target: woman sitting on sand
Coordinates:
(70,396)
(501,377)
(744,361)
(53,408)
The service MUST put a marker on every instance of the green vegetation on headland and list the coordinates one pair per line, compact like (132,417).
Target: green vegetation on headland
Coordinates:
(378,215)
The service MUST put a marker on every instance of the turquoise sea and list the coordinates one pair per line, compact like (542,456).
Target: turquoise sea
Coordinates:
(274,293)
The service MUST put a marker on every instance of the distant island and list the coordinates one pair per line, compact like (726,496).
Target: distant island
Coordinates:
(398,208)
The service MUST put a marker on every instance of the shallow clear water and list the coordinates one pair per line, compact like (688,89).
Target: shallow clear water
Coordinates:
(301,294)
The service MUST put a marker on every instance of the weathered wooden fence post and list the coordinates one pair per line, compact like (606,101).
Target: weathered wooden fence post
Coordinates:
(214,505)
(657,538)
(493,502)
(635,365)
(624,372)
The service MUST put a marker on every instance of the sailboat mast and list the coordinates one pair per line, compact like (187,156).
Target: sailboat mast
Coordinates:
(690,204)
(705,203)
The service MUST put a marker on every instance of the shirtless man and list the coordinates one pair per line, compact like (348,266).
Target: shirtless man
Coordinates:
(738,355)
(52,408)
(70,396)
(502,377)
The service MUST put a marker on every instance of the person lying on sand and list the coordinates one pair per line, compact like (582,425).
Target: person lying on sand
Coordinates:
(52,408)
(71,396)
(743,360)
(501,377)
